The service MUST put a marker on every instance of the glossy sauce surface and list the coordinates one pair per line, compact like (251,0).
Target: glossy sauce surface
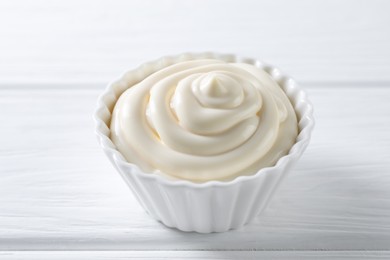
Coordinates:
(204,120)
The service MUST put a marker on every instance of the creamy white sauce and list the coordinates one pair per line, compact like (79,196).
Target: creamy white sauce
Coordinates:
(204,120)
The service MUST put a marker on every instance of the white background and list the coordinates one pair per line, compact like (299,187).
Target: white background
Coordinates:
(58,192)
(92,41)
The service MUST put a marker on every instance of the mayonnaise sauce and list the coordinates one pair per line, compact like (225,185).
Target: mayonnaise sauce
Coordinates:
(204,120)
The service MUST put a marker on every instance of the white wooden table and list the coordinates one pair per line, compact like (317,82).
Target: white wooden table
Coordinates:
(60,197)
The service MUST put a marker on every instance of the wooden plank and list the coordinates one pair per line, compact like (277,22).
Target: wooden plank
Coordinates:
(94,41)
(59,192)
(273,255)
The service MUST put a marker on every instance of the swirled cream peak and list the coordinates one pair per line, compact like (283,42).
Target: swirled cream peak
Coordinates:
(204,120)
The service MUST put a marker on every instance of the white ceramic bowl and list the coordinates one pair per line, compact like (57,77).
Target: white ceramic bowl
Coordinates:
(213,206)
